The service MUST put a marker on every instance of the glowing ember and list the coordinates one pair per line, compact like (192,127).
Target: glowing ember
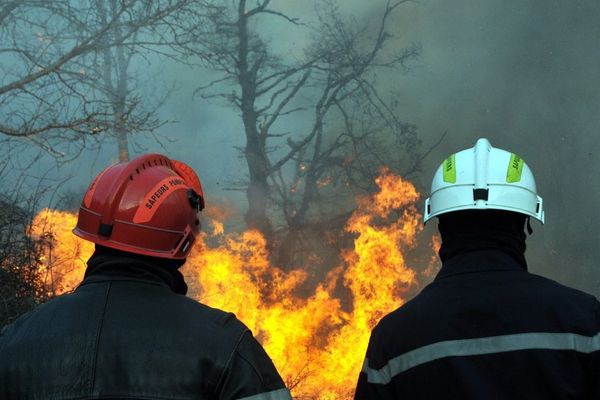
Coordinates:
(318,341)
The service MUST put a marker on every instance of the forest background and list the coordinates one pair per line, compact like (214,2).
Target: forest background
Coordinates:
(289,109)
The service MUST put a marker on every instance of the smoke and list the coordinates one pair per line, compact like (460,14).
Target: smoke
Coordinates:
(523,74)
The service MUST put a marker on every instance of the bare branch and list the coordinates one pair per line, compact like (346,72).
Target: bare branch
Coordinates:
(63,80)
(424,155)
(86,45)
(277,113)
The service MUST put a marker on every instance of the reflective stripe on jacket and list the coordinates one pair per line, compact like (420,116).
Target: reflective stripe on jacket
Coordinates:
(486,329)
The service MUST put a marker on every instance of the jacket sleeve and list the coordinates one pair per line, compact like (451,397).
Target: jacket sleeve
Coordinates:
(251,375)
(594,357)
(367,390)
(374,359)
(594,377)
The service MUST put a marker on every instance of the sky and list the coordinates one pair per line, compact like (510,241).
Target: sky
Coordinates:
(522,73)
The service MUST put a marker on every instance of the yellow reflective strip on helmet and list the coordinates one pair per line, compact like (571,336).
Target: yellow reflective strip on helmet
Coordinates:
(515,168)
(449,167)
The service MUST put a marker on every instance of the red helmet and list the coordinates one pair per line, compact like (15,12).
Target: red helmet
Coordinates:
(145,206)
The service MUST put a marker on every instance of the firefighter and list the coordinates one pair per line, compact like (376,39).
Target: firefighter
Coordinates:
(128,331)
(485,328)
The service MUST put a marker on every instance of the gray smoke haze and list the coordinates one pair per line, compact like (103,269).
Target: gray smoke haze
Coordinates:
(524,74)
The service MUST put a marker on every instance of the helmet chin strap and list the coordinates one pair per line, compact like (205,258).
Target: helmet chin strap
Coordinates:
(529,229)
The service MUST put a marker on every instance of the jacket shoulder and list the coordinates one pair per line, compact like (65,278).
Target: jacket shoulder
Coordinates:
(31,315)
(567,296)
(566,290)
(502,304)
(196,311)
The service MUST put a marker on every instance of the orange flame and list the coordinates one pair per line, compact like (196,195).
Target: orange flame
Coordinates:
(65,255)
(317,341)
(433,266)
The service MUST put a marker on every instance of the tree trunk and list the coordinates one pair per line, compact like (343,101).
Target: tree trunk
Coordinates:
(120,128)
(122,141)
(257,192)
(286,254)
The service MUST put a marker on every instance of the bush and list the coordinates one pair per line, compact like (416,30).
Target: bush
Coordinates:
(21,288)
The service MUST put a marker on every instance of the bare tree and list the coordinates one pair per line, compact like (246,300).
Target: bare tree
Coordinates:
(338,73)
(109,70)
(48,93)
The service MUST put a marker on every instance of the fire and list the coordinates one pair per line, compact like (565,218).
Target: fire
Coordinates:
(433,265)
(65,255)
(317,341)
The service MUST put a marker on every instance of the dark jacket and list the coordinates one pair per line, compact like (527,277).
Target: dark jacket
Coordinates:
(124,333)
(486,329)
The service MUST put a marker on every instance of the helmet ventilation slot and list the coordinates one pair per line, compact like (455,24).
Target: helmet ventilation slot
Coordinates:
(178,241)
(480,194)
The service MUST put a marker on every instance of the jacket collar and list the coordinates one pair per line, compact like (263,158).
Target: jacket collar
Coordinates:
(478,261)
(116,268)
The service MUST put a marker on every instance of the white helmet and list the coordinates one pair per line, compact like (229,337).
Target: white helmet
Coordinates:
(482,178)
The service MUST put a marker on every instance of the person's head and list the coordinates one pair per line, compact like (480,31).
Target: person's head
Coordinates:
(483,190)
(147,206)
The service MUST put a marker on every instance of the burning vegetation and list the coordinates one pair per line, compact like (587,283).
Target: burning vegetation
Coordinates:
(317,337)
